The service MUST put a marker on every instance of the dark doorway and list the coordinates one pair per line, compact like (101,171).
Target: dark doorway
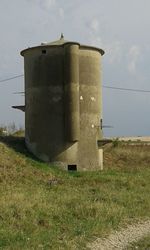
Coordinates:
(72,167)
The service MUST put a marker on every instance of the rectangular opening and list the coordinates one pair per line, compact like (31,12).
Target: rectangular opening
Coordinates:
(44,51)
(72,167)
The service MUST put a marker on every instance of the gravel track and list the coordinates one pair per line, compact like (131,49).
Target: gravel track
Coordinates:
(121,239)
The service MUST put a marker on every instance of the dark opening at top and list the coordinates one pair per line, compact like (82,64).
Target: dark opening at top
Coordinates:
(44,51)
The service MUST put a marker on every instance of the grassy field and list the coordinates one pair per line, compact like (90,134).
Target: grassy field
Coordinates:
(43,207)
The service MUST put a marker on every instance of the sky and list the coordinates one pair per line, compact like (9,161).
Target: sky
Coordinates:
(117,26)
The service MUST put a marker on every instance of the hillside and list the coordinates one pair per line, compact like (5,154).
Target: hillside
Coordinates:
(43,207)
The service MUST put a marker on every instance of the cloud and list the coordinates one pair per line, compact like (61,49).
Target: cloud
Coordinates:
(47,4)
(115,52)
(93,34)
(97,37)
(94,25)
(133,55)
(44,4)
(61,13)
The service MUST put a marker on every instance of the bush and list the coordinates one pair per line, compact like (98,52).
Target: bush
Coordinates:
(3,131)
(115,142)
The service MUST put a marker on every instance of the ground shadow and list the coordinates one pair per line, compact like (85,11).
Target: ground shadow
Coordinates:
(17,143)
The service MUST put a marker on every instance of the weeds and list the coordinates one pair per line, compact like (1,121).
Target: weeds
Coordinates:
(43,207)
(11,129)
(115,142)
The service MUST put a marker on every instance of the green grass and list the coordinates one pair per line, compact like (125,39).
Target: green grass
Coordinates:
(39,213)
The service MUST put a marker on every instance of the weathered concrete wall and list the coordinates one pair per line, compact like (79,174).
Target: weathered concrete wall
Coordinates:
(64,105)
(44,116)
(90,108)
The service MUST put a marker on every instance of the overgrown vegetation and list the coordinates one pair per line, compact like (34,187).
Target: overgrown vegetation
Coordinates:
(11,129)
(126,156)
(43,207)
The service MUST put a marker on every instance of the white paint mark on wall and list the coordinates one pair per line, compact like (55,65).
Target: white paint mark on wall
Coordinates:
(93,98)
(81,97)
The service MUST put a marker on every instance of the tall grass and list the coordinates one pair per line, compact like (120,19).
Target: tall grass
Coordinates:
(127,156)
(43,207)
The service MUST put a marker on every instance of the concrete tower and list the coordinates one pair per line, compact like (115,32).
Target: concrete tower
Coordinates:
(63,103)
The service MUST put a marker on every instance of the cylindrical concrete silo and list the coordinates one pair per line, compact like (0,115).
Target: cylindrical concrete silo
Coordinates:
(63,103)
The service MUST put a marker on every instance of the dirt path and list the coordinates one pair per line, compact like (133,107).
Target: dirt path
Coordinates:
(121,239)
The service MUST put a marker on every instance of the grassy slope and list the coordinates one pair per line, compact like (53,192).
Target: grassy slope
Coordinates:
(39,213)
